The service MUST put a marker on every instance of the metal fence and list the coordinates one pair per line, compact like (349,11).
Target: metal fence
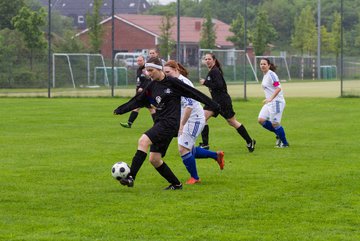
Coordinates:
(24,72)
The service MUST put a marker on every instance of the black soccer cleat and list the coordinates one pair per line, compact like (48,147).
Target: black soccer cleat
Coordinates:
(251,145)
(125,124)
(174,187)
(128,181)
(204,146)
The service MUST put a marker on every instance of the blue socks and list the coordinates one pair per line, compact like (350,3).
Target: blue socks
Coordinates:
(281,134)
(267,125)
(203,153)
(190,164)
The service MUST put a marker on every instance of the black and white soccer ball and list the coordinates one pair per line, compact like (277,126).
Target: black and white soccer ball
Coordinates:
(120,170)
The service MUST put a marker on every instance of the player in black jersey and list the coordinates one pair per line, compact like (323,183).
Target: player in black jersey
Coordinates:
(142,80)
(217,86)
(164,93)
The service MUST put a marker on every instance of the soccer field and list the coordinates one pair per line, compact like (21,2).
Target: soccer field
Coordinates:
(56,155)
(330,89)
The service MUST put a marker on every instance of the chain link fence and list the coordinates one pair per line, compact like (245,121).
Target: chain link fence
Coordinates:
(72,71)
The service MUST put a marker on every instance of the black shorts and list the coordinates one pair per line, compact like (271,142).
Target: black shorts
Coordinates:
(225,103)
(160,136)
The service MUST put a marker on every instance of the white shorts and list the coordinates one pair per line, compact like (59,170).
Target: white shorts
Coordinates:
(272,111)
(190,132)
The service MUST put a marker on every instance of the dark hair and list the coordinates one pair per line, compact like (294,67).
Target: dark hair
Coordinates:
(175,65)
(154,60)
(141,56)
(217,63)
(272,66)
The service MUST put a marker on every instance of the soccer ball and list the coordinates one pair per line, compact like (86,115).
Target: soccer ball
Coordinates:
(120,170)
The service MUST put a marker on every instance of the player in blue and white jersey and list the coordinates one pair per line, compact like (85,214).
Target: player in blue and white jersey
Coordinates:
(274,103)
(192,122)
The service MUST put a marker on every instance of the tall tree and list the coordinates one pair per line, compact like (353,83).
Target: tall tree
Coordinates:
(327,41)
(208,34)
(305,35)
(263,34)
(8,10)
(336,33)
(166,43)
(282,13)
(29,23)
(237,28)
(95,28)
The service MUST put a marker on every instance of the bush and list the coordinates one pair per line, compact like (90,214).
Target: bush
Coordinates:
(27,79)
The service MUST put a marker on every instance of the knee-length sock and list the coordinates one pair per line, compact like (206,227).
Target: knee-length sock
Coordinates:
(280,132)
(267,125)
(203,153)
(205,135)
(132,117)
(244,134)
(137,162)
(190,164)
(166,173)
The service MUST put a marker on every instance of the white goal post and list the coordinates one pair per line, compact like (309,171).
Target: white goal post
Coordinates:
(70,66)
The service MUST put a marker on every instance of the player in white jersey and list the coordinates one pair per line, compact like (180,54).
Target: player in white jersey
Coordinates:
(274,103)
(192,122)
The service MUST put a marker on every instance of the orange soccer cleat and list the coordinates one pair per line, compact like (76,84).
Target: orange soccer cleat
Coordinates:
(192,181)
(220,159)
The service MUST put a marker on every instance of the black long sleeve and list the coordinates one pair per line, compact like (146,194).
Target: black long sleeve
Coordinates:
(135,102)
(215,81)
(190,92)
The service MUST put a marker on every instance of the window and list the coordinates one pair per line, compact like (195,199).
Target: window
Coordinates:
(81,19)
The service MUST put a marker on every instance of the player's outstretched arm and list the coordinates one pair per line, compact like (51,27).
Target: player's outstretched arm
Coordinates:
(195,94)
(135,102)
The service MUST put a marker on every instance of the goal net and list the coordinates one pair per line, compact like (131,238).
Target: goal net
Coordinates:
(78,70)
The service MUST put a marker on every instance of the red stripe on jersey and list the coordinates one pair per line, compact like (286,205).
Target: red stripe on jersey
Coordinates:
(276,84)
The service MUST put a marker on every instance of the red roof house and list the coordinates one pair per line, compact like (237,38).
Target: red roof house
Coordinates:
(137,32)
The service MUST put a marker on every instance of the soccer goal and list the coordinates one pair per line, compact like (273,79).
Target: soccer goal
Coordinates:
(233,62)
(282,68)
(101,74)
(75,70)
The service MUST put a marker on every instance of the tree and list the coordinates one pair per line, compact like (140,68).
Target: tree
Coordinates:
(7,58)
(305,36)
(208,34)
(336,33)
(68,43)
(29,22)
(263,34)
(237,28)
(8,10)
(166,43)
(327,41)
(96,31)
(282,13)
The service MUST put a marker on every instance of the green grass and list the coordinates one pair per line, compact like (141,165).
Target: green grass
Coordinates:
(56,156)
